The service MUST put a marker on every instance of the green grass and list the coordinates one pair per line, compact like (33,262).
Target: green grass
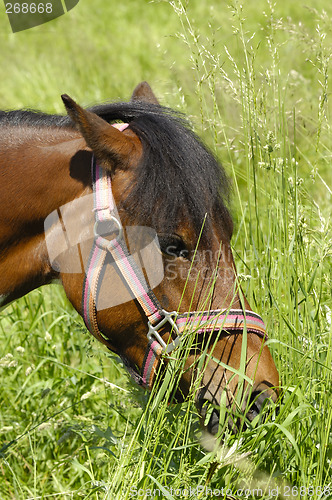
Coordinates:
(255,82)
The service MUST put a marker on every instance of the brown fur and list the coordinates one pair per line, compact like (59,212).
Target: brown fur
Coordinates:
(43,169)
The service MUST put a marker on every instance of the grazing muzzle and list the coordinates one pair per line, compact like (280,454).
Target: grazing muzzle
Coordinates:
(258,401)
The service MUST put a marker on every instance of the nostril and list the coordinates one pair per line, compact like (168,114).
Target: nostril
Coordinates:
(258,401)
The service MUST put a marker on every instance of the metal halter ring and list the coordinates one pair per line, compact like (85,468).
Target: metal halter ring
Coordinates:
(168,317)
(100,240)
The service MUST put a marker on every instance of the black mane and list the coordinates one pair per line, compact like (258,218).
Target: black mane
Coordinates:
(32,118)
(178,176)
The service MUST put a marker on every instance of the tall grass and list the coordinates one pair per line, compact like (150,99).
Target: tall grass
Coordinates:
(255,80)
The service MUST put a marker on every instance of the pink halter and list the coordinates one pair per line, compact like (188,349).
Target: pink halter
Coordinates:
(229,320)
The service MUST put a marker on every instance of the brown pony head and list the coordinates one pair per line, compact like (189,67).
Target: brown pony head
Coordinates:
(164,178)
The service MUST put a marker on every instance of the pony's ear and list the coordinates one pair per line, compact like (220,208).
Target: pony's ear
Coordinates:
(143,92)
(111,147)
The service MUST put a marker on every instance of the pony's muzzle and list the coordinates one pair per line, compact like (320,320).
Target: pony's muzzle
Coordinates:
(258,403)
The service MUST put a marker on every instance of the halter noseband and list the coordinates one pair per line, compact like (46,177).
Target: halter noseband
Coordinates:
(202,321)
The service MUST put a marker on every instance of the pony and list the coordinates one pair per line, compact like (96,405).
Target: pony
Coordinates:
(126,165)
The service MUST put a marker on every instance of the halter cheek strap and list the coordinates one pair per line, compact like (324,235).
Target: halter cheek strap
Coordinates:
(199,322)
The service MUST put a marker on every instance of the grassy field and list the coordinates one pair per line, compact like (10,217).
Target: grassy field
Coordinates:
(254,80)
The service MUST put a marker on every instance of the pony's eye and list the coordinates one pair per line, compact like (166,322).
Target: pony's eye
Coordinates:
(173,245)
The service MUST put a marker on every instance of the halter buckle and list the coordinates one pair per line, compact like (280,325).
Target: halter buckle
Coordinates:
(169,317)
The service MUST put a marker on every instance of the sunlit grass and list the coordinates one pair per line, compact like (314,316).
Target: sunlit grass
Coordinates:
(254,79)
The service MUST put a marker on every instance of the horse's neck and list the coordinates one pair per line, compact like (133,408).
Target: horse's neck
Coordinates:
(37,176)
